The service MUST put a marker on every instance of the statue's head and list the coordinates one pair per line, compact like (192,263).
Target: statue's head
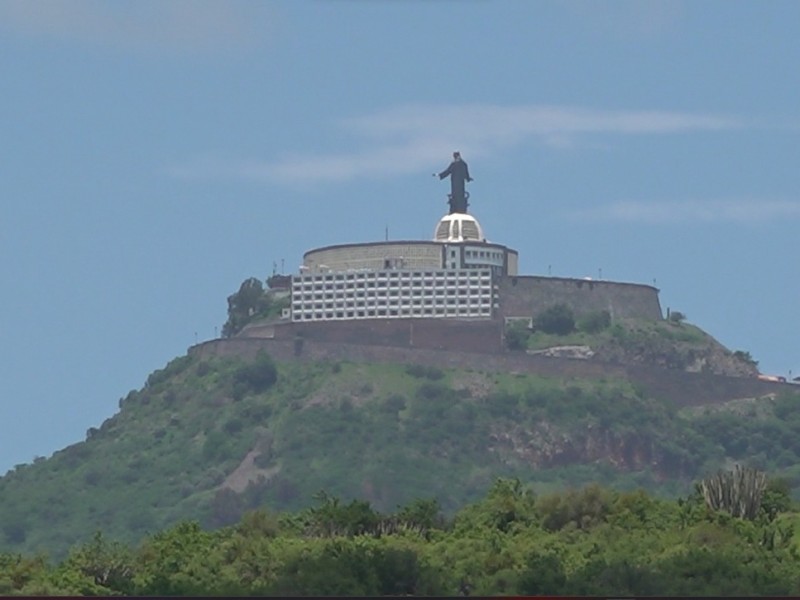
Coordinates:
(456,155)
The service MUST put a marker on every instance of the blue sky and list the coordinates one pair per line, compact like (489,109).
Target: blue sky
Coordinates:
(154,154)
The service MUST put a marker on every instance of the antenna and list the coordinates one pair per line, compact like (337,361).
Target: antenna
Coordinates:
(387,233)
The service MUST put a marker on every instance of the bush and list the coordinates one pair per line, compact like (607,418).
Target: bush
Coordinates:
(595,322)
(424,372)
(558,319)
(517,335)
(257,376)
(677,317)
(745,357)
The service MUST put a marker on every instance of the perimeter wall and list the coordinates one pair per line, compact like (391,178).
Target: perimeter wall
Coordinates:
(528,295)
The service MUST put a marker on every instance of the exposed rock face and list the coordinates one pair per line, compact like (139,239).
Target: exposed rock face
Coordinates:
(582,352)
(547,446)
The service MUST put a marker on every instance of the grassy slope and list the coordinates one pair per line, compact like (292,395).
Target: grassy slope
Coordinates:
(381,432)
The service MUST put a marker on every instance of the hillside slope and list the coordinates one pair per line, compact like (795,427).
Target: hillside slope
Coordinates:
(208,439)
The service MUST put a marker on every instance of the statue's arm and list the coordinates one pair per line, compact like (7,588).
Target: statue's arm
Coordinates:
(466,172)
(446,172)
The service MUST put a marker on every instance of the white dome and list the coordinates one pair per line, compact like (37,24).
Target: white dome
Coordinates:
(458,227)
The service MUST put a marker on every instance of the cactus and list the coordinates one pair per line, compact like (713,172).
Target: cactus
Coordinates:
(738,492)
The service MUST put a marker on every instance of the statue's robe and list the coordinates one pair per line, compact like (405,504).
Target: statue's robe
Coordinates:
(459,174)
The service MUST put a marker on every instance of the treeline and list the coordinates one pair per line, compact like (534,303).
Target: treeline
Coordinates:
(592,541)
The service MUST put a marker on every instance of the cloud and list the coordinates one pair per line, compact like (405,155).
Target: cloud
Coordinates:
(407,139)
(708,211)
(175,25)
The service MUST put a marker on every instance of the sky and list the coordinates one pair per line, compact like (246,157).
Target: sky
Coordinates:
(154,154)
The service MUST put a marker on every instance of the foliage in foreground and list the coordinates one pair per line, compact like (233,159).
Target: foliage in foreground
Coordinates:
(590,541)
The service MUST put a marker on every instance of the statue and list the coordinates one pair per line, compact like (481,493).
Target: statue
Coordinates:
(459,174)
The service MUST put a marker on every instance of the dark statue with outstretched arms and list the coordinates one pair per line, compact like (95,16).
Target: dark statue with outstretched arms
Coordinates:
(458,171)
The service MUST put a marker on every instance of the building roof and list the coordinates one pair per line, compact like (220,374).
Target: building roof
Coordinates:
(458,227)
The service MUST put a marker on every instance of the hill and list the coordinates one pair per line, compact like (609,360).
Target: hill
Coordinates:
(209,438)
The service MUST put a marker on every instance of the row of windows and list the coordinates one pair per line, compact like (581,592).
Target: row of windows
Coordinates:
(462,281)
(416,297)
(389,275)
(498,256)
(393,293)
(485,300)
(382,283)
(388,312)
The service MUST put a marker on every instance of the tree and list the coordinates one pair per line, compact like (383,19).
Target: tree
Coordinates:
(558,319)
(544,575)
(777,497)
(332,518)
(98,567)
(508,504)
(176,562)
(250,301)
(425,514)
(582,509)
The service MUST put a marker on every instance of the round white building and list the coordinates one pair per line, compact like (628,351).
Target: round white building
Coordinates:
(449,276)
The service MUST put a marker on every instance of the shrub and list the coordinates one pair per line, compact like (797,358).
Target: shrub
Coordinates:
(432,391)
(257,376)
(558,319)
(745,357)
(517,335)
(394,403)
(233,425)
(424,372)
(595,322)
(677,317)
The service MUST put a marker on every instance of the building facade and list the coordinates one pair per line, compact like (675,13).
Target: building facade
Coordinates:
(453,276)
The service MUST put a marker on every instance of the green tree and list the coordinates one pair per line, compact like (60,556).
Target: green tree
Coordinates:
(422,514)
(332,518)
(18,572)
(777,497)
(544,574)
(98,567)
(177,562)
(557,319)
(582,509)
(249,302)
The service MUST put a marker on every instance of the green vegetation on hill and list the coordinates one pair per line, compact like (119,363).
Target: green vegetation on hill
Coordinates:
(590,541)
(210,440)
(671,343)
